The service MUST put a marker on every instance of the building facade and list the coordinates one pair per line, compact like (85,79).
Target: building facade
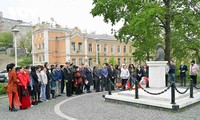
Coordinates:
(58,45)
(6,24)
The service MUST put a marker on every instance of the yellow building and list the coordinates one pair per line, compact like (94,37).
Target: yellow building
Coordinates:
(58,45)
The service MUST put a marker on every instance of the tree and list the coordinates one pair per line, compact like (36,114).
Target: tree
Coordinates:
(152,19)
(6,39)
(25,41)
(112,60)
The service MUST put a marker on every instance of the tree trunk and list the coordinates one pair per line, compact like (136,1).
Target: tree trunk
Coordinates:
(167,32)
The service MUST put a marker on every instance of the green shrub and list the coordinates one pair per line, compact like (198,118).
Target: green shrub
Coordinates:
(2,91)
(25,61)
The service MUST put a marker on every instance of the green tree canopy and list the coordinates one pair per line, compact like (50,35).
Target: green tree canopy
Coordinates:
(6,39)
(25,41)
(171,22)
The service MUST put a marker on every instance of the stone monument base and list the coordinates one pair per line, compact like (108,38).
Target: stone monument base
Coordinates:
(156,73)
(158,101)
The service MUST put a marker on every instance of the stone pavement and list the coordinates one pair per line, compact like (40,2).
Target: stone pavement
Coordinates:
(93,107)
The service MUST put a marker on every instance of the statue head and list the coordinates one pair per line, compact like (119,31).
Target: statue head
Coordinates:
(159,46)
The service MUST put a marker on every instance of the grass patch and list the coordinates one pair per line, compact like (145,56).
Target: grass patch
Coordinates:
(2,91)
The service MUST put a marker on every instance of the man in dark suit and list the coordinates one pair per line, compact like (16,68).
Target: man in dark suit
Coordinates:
(111,75)
(68,74)
(183,68)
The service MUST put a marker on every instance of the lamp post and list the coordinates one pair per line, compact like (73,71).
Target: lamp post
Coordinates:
(15,31)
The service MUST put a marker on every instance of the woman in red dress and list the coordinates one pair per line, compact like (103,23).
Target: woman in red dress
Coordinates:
(77,81)
(12,88)
(23,89)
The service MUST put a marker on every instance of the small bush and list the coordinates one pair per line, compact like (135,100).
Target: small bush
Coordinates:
(2,91)
(25,62)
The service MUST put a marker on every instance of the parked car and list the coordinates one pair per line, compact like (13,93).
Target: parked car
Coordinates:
(2,78)
(4,75)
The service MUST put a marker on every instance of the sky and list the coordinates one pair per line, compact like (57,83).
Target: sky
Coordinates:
(70,13)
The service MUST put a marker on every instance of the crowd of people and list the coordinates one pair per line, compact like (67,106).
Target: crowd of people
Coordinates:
(31,85)
(183,69)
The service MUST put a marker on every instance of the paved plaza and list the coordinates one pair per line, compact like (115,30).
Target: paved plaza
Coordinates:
(93,107)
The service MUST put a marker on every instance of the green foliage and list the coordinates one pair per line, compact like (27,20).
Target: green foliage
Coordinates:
(25,41)
(6,39)
(2,91)
(175,24)
(25,61)
(112,60)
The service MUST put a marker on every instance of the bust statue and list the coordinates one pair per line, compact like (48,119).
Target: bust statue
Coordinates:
(160,54)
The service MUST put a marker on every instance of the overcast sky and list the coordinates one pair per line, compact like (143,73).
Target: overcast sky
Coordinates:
(70,13)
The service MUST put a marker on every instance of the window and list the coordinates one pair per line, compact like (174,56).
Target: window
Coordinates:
(105,47)
(39,59)
(42,45)
(74,61)
(43,58)
(98,48)
(118,49)
(73,46)
(112,48)
(80,47)
(119,61)
(90,47)
(90,62)
(80,61)
(125,62)
(124,48)
(38,46)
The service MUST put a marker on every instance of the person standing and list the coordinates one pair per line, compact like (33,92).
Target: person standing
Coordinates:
(35,85)
(132,72)
(194,69)
(46,65)
(68,77)
(166,74)
(12,87)
(38,70)
(58,82)
(89,78)
(104,73)
(44,83)
(97,78)
(23,89)
(117,76)
(139,73)
(124,75)
(54,78)
(63,79)
(145,74)
(172,71)
(111,74)
(183,69)
(77,81)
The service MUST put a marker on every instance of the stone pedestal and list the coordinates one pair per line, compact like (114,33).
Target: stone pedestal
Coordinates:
(157,73)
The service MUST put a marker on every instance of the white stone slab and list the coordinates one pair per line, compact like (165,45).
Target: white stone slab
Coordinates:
(162,101)
(156,73)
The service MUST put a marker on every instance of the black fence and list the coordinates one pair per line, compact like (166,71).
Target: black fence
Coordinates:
(172,86)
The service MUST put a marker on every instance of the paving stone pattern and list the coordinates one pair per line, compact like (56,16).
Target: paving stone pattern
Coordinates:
(93,107)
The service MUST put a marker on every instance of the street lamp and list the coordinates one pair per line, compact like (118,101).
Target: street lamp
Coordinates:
(15,31)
